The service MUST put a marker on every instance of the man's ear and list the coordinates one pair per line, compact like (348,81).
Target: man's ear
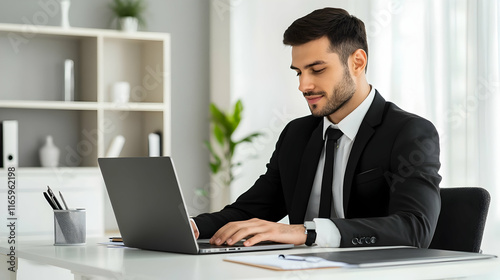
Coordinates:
(358,61)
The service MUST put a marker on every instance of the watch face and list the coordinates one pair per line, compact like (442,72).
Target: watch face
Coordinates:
(310,225)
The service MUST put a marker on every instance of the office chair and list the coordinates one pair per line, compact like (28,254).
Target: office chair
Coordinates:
(461,221)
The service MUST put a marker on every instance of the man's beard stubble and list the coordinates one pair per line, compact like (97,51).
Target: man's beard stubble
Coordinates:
(341,94)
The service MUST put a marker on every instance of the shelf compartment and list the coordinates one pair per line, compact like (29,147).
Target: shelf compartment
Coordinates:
(140,63)
(73,133)
(46,77)
(135,127)
(82,187)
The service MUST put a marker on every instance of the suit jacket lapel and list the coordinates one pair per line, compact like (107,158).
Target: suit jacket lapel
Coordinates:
(372,119)
(305,179)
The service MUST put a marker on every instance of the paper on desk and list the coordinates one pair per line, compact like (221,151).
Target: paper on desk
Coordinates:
(275,263)
(110,243)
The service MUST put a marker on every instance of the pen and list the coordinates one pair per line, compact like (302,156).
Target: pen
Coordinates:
(64,201)
(298,258)
(53,197)
(49,200)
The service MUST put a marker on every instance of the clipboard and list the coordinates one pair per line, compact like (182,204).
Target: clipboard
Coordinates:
(359,258)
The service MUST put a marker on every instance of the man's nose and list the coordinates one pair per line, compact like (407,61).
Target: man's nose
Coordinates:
(305,84)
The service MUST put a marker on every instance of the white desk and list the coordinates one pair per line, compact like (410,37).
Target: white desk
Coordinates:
(95,261)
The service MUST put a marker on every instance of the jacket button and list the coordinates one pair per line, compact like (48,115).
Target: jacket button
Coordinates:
(373,240)
(354,241)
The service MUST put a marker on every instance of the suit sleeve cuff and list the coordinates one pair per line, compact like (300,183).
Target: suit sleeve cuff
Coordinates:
(327,233)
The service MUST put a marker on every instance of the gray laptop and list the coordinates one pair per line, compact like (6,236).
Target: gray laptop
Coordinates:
(150,210)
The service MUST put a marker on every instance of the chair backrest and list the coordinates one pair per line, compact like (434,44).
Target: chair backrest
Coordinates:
(462,219)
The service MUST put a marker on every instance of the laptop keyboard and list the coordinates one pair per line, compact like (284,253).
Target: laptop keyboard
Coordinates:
(206,244)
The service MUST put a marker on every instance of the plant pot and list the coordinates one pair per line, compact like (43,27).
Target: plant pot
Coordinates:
(129,24)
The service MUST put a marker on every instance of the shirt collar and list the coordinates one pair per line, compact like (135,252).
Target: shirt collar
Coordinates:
(351,123)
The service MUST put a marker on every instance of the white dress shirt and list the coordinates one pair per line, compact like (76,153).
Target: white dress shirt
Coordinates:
(327,234)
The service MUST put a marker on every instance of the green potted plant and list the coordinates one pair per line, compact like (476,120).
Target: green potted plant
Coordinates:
(130,13)
(222,149)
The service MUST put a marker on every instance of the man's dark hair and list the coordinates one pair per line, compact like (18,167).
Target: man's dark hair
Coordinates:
(346,32)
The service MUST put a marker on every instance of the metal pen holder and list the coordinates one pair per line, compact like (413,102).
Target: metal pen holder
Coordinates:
(70,227)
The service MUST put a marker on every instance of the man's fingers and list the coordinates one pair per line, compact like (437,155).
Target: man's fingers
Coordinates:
(255,239)
(293,234)
(260,230)
(232,234)
(242,233)
(235,231)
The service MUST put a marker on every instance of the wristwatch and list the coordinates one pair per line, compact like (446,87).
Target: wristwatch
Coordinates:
(311,232)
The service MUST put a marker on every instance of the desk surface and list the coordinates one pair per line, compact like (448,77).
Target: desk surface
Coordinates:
(127,263)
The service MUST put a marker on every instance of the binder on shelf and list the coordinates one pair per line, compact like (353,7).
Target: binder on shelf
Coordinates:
(154,144)
(69,80)
(9,143)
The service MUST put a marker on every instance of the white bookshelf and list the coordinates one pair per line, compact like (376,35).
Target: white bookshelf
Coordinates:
(101,57)
(31,91)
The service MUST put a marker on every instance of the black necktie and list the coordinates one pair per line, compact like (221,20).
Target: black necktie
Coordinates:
(325,204)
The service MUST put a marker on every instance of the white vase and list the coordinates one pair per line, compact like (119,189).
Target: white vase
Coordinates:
(65,13)
(49,153)
(120,92)
(129,24)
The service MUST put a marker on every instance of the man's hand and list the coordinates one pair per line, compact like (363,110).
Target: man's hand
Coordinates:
(195,229)
(259,230)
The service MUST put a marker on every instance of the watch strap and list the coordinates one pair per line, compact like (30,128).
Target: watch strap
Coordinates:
(311,233)
(311,237)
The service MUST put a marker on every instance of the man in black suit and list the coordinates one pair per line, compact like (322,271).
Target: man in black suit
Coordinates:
(385,186)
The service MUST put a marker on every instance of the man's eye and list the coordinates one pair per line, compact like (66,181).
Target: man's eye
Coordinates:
(298,74)
(318,71)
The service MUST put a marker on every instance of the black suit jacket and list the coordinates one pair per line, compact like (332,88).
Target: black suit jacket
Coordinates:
(391,183)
